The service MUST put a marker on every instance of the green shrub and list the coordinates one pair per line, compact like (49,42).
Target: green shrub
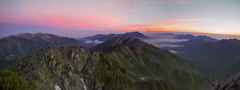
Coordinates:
(12,81)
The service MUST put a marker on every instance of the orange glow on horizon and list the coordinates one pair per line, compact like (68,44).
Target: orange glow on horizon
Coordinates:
(177,20)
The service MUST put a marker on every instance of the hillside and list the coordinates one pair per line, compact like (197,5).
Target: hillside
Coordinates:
(151,62)
(16,46)
(220,58)
(75,68)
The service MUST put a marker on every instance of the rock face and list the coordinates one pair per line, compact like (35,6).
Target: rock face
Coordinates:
(20,45)
(233,83)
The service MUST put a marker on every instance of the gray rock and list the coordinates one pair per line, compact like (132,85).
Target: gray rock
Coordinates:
(233,83)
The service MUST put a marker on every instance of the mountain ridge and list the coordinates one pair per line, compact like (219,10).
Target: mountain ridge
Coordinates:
(223,55)
(152,57)
(102,37)
(123,68)
(189,36)
(113,43)
(16,46)
(50,67)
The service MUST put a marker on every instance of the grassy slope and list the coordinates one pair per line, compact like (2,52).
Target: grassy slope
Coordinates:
(161,65)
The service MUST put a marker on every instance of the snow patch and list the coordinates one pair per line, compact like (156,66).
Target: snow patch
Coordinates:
(57,87)
(143,78)
(84,85)
(172,51)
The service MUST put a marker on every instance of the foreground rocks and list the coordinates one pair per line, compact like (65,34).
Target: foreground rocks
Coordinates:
(233,83)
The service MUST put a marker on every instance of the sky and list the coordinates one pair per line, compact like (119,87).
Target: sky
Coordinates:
(79,18)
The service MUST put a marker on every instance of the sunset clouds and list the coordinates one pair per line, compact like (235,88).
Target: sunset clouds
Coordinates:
(136,15)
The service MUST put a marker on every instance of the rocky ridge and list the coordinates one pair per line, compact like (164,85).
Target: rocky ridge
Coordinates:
(233,83)
(73,68)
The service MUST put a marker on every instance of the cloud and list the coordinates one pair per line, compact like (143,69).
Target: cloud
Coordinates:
(175,1)
(61,13)
(93,41)
(177,20)
(161,41)
(160,27)
(172,51)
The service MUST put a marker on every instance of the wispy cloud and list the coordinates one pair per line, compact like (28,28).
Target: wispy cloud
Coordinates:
(175,1)
(143,27)
(177,20)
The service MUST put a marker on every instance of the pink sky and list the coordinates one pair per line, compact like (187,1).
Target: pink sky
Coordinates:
(215,16)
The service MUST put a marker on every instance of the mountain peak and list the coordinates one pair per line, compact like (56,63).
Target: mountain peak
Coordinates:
(102,37)
(114,43)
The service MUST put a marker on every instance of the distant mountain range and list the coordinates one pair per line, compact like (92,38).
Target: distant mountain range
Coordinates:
(221,57)
(189,36)
(102,37)
(129,64)
(16,46)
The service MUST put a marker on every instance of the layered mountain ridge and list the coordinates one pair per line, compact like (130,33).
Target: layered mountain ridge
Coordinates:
(16,46)
(189,36)
(102,37)
(130,65)
(220,58)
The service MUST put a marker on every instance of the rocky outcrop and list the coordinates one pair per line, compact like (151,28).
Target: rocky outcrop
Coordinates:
(70,68)
(233,83)
(73,68)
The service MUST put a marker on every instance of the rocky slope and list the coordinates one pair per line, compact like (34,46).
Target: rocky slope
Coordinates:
(73,68)
(17,46)
(233,83)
